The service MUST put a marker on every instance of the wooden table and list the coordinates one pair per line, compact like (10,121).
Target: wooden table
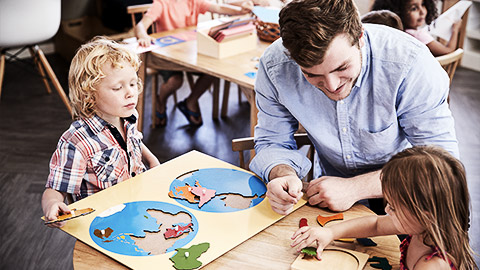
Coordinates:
(183,56)
(269,249)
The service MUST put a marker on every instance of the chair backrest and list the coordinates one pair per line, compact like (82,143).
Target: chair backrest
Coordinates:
(450,61)
(244,144)
(139,9)
(28,22)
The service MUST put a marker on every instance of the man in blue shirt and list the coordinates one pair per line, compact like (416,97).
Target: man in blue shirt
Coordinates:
(362,93)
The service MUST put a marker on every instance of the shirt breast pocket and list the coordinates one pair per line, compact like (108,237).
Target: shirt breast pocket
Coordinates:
(378,147)
(109,167)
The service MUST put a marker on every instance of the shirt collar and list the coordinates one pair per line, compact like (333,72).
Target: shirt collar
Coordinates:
(365,59)
(97,124)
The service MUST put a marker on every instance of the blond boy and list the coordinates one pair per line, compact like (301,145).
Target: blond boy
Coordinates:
(103,146)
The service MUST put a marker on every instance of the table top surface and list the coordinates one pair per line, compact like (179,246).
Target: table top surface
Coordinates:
(231,68)
(268,249)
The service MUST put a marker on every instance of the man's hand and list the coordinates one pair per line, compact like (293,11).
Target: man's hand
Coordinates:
(339,194)
(335,193)
(284,192)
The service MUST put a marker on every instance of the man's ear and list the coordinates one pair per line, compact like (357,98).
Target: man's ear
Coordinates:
(361,41)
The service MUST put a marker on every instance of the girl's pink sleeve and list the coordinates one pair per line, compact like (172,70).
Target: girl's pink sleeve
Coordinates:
(422,35)
(154,11)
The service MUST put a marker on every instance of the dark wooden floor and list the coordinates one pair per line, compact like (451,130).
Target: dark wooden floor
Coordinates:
(32,121)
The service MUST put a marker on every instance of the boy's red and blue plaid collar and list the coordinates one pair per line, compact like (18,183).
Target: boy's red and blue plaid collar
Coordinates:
(97,124)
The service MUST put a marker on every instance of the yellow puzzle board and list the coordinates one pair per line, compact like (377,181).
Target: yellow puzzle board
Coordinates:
(223,231)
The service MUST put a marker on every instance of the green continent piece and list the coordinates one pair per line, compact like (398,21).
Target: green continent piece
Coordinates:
(310,251)
(180,261)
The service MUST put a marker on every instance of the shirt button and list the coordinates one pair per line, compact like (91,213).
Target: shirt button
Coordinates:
(344,130)
(133,174)
(341,101)
(348,156)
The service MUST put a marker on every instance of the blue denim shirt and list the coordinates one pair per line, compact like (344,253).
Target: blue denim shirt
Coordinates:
(399,100)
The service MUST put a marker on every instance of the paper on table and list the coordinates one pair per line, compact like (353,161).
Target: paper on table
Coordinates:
(442,26)
(132,44)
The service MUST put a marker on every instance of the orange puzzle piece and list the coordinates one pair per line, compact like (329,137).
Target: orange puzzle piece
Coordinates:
(323,220)
(186,193)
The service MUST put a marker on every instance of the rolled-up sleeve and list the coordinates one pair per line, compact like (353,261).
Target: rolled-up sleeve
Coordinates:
(274,141)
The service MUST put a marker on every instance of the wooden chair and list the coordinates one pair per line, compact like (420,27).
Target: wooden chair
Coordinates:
(449,62)
(40,22)
(245,144)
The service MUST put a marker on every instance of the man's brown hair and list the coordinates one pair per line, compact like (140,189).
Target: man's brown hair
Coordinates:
(307,27)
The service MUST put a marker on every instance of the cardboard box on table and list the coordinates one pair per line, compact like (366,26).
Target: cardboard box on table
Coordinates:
(208,46)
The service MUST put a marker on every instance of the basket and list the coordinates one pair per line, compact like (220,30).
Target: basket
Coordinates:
(267,31)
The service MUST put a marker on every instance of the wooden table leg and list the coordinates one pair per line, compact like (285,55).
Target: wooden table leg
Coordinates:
(142,71)
(216,98)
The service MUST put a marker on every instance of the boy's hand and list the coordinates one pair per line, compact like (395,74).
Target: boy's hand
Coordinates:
(53,211)
(307,236)
(146,41)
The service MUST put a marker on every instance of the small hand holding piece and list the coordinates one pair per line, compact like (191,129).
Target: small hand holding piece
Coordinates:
(53,211)
(146,41)
(283,193)
(335,193)
(306,236)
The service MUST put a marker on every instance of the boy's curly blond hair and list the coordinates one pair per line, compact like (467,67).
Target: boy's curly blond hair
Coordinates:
(85,72)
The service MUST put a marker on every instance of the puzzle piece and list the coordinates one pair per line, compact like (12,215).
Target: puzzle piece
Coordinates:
(205,194)
(303,222)
(183,192)
(323,220)
(177,231)
(74,213)
(382,263)
(186,258)
(310,251)
(366,242)
(346,240)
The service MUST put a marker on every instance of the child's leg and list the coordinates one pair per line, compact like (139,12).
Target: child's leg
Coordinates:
(170,85)
(201,85)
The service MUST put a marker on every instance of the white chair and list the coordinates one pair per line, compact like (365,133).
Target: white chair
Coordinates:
(26,23)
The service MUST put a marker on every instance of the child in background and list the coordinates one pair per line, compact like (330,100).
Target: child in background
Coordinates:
(414,15)
(428,199)
(385,17)
(103,146)
(172,14)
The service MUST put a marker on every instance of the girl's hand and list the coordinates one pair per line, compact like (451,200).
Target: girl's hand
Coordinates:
(146,41)
(247,7)
(456,26)
(306,236)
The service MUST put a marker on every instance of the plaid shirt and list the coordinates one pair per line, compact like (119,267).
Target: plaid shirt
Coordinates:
(88,158)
